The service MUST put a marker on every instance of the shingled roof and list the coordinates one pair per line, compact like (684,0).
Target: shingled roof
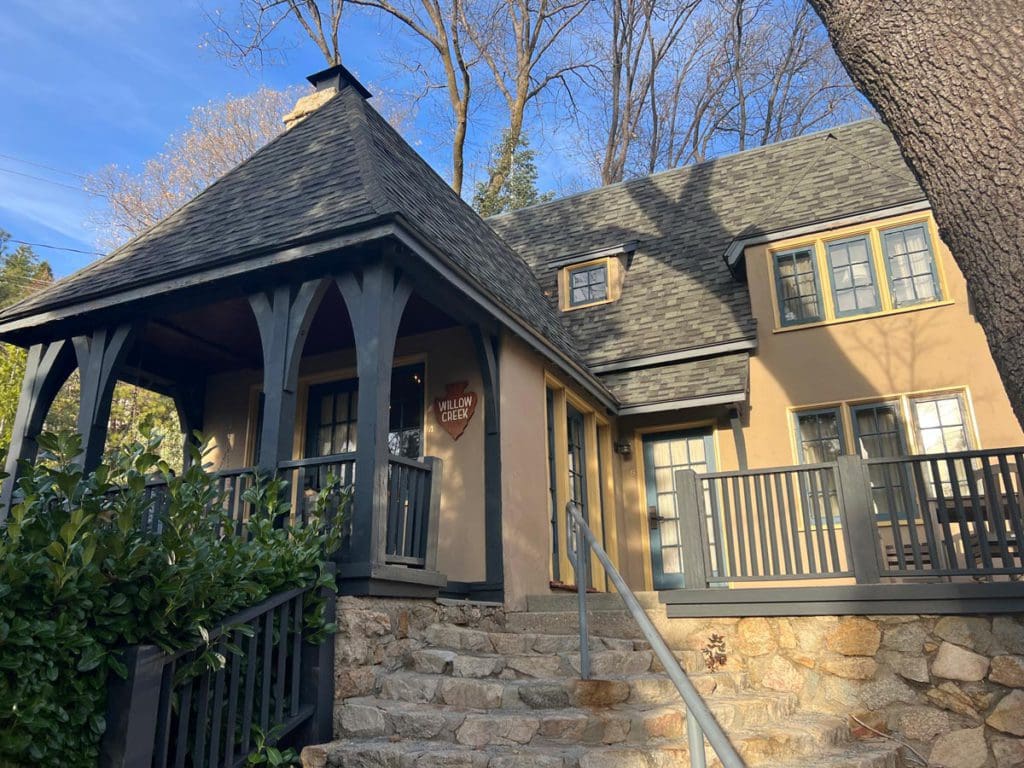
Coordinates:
(679,294)
(343,168)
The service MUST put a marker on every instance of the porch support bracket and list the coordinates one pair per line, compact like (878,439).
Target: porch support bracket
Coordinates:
(47,367)
(375,298)
(100,357)
(283,316)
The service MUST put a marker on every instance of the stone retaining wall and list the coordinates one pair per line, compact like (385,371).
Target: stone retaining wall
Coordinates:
(952,687)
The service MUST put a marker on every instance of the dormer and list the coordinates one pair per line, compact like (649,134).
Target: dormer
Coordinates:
(593,278)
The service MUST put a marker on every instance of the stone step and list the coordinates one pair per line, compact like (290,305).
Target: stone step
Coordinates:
(603,663)
(485,744)
(549,693)
(600,601)
(377,717)
(522,642)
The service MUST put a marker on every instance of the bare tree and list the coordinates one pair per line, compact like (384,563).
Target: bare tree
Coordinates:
(257,29)
(439,24)
(526,46)
(945,75)
(220,135)
(716,76)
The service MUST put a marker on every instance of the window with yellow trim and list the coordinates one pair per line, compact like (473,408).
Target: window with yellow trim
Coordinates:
(590,283)
(880,269)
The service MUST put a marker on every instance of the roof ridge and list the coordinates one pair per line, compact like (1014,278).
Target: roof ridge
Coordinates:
(691,167)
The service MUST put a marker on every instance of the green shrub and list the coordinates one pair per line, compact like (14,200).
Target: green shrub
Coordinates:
(79,580)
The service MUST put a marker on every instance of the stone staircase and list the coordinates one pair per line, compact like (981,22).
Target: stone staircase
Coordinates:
(470,698)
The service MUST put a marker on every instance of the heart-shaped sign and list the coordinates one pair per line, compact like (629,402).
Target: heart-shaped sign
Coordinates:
(455,409)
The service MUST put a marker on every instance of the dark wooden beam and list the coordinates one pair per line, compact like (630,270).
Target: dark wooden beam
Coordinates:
(227,352)
(283,316)
(47,368)
(100,356)
(375,299)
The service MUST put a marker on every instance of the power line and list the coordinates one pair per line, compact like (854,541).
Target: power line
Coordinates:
(42,165)
(51,181)
(56,247)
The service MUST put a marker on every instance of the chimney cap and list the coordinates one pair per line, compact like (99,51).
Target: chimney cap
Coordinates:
(337,78)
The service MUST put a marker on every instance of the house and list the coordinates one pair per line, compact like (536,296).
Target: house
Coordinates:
(758,379)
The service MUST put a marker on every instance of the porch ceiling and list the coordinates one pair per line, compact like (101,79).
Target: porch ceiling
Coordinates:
(223,336)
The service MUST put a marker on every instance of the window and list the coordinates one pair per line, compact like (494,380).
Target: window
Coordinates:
(797,287)
(878,430)
(852,273)
(819,436)
(941,424)
(588,284)
(913,278)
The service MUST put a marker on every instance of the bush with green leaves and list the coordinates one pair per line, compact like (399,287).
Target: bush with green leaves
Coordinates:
(80,579)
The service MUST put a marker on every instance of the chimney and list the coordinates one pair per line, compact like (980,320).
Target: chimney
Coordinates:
(326,84)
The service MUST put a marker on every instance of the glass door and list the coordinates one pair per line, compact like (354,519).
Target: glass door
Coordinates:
(664,454)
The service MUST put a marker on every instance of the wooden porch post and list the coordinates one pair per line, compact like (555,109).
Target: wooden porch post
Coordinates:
(189,401)
(47,368)
(283,316)
(100,355)
(487,347)
(376,300)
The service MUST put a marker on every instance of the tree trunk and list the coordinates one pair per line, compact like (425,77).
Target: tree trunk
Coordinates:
(946,77)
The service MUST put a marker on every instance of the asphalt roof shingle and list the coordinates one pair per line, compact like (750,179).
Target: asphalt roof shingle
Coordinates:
(706,377)
(678,293)
(342,167)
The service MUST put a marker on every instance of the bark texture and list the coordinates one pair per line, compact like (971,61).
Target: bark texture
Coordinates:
(947,77)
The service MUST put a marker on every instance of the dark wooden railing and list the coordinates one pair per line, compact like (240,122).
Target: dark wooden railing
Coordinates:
(175,711)
(939,516)
(412,512)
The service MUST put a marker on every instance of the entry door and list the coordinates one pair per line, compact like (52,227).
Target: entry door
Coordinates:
(879,434)
(664,454)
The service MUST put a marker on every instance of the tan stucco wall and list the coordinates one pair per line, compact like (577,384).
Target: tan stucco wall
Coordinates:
(931,348)
(448,356)
(524,481)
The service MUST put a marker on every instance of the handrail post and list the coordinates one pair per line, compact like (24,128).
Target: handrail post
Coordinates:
(316,682)
(692,534)
(858,513)
(132,707)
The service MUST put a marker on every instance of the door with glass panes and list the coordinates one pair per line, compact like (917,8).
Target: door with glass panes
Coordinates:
(664,455)
(880,435)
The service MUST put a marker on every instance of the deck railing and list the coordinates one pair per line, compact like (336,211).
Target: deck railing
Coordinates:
(412,512)
(174,710)
(939,516)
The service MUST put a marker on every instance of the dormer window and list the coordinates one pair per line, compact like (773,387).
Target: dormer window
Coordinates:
(588,284)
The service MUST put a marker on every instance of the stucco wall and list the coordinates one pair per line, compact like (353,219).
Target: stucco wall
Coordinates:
(930,348)
(524,481)
(448,356)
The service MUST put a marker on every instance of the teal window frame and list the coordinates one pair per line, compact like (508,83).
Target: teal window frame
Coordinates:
(877,306)
(781,296)
(936,283)
(840,429)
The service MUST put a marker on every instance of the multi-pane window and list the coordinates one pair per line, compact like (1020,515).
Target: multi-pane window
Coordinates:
(941,424)
(336,425)
(913,278)
(820,436)
(405,422)
(853,277)
(797,282)
(588,284)
(879,434)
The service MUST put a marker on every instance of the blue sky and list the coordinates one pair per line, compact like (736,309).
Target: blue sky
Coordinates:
(88,83)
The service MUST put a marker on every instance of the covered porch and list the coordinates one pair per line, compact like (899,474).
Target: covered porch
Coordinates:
(331,371)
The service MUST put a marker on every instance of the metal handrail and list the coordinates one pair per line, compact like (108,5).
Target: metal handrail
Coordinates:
(700,722)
